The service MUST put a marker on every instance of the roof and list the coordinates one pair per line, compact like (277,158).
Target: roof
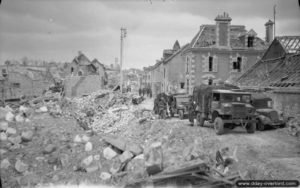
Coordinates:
(281,72)
(177,52)
(291,44)
(229,91)
(95,61)
(81,59)
(206,37)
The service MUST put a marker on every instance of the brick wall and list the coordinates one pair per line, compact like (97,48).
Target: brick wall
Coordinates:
(82,85)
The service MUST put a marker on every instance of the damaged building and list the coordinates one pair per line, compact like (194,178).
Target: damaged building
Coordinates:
(27,81)
(279,72)
(84,76)
(221,52)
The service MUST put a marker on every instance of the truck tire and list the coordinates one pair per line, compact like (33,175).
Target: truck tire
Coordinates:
(250,127)
(219,125)
(164,114)
(191,118)
(260,125)
(199,120)
(181,115)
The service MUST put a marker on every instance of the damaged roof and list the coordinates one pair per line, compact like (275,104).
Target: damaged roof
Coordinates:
(291,44)
(81,59)
(206,37)
(281,72)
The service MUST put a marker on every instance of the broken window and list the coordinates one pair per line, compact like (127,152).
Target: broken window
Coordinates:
(210,64)
(181,85)
(250,41)
(237,65)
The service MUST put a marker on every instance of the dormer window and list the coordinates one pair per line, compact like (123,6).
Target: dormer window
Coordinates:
(250,41)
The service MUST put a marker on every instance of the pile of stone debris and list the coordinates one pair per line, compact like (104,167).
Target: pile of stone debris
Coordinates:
(142,167)
(294,127)
(106,111)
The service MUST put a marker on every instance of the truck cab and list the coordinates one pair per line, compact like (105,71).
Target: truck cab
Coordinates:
(266,115)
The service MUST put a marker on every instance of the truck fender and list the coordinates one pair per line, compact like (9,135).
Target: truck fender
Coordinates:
(265,120)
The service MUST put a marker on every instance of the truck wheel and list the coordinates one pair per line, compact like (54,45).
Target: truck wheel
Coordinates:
(219,126)
(164,114)
(199,120)
(260,125)
(191,118)
(250,127)
(180,112)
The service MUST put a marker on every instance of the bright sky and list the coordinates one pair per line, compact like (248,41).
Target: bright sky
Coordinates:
(58,29)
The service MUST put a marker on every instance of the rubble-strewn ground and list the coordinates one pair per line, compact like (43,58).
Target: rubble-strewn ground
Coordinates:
(58,152)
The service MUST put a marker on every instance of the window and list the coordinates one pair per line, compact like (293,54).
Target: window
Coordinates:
(181,85)
(72,70)
(216,97)
(4,73)
(210,81)
(79,73)
(250,41)
(237,65)
(210,64)
(17,85)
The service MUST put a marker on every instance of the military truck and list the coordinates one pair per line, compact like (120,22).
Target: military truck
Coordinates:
(179,105)
(223,107)
(266,116)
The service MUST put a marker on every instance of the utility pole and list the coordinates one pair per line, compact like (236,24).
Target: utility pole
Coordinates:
(123,35)
(274,13)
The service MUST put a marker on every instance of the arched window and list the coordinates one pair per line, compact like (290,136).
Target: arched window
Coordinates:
(79,73)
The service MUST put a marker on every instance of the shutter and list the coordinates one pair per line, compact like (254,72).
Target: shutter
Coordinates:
(215,64)
(244,64)
(230,64)
(205,64)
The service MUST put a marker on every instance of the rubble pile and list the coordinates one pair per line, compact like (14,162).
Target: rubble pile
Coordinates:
(294,127)
(107,111)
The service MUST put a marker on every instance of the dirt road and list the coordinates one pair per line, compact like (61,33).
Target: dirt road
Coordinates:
(271,154)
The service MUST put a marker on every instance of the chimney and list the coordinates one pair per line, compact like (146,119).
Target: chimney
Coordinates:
(269,31)
(223,30)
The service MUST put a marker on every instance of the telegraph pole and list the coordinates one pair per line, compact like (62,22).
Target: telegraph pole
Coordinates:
(274,13)
(123,35)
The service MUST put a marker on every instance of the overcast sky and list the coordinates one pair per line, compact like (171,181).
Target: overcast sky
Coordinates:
(58,29)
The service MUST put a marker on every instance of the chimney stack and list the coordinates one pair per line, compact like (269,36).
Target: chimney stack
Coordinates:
(223,30)
(269,31)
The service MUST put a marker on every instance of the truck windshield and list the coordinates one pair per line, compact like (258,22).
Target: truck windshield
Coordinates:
(236,98)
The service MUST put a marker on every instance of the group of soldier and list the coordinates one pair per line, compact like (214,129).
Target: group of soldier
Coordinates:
(145,91)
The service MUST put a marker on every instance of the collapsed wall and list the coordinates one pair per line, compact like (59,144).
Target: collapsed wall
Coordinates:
(82,85)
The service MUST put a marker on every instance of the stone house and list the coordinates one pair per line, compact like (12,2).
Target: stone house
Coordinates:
(279,72)
(84,76)
(174,75)
(221,52)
